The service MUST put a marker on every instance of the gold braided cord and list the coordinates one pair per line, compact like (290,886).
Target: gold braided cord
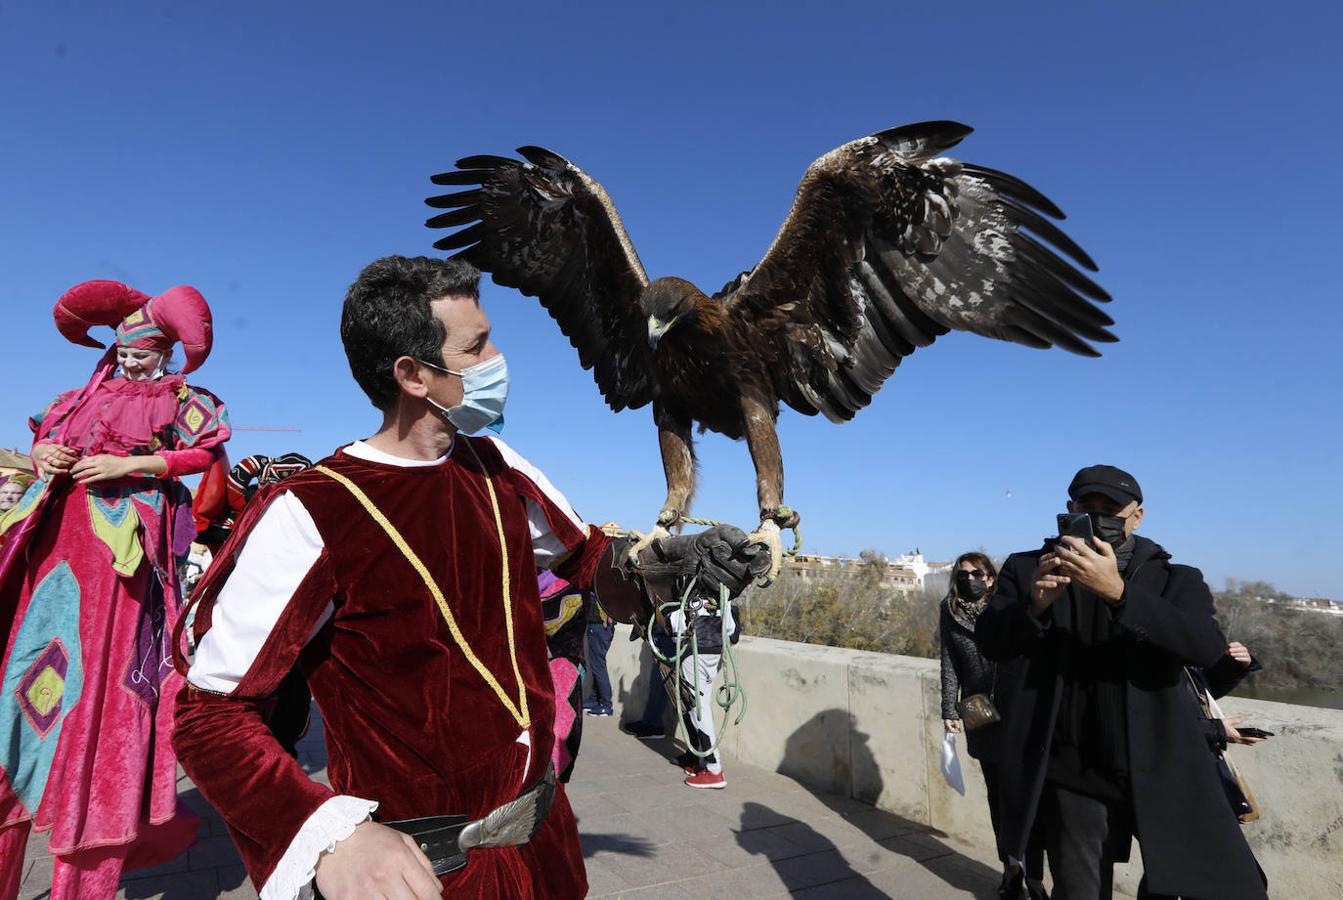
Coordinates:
(505,578)
(519,710)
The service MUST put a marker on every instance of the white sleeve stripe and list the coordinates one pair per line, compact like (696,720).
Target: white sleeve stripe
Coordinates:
(278,554)
(546,547)
(538,478)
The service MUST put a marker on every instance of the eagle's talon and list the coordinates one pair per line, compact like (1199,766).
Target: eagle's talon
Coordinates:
(768,534)
(642,542)
(669,518)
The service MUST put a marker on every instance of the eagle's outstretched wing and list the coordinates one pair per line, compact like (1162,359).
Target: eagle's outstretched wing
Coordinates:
(547,229)
(887,247)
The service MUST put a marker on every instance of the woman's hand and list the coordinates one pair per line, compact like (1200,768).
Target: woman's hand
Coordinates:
(106,467)
(51,460)
(1239,652)
(1235,737)
(953,726)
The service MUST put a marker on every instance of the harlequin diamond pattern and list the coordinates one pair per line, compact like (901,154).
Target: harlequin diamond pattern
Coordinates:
(196,417)
(42,687)
(46,690)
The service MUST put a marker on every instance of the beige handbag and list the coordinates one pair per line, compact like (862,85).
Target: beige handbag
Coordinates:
(976,711)
(1237,790)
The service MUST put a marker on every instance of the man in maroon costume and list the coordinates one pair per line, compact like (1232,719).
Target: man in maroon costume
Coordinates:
(398,575)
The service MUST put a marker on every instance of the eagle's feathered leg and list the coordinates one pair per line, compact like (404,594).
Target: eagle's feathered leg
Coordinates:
(678,465)
(763,442)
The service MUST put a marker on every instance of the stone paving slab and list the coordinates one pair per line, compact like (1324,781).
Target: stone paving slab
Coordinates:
(646,835)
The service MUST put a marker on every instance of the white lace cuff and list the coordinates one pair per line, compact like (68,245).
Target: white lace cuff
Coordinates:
(330,823)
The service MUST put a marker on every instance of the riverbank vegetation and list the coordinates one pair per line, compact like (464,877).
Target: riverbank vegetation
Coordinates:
(854,608)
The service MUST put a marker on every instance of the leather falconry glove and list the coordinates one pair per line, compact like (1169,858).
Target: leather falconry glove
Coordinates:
(719,556)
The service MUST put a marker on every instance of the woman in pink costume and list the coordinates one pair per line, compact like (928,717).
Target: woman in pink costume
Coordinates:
(89,597)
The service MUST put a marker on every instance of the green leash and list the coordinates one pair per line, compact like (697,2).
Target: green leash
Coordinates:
(730,693)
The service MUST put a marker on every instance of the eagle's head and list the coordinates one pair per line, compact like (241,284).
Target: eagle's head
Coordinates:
(667,302)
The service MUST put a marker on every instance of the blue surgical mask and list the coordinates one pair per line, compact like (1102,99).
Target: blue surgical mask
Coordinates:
(484,391)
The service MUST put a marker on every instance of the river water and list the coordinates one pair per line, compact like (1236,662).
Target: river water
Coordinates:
(1299,696)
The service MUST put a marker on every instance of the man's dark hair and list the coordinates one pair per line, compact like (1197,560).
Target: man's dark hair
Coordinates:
(387,316)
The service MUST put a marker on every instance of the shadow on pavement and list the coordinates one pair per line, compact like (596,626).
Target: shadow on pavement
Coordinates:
(624,844)
(829,756)
(801,872)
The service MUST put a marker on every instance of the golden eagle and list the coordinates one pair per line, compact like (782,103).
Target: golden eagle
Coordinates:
(887,246)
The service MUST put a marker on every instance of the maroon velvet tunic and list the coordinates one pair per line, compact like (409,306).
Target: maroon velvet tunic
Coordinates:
(409,721)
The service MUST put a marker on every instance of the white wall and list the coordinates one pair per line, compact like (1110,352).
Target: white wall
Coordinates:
(868,725)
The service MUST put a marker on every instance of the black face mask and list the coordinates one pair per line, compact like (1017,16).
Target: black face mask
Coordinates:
(968,588)
(1109,529)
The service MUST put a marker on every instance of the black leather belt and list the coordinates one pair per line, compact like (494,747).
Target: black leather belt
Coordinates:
(448,840)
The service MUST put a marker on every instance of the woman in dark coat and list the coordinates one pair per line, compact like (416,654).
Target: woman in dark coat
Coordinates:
(965,672)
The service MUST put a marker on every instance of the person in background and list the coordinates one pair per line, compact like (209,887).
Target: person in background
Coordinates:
(566,612)
(11,491)
(651,724)
(89,595)
(701,762)
(1220,680)
(965,672)
(601,629)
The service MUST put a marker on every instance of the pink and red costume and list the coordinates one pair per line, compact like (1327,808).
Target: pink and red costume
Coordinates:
(88,599)
(311,579)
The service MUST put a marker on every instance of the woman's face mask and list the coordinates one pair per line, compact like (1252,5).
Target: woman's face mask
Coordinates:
(484,392)
(968,587)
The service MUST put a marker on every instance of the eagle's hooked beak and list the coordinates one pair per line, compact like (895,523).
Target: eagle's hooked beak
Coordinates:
(657,328)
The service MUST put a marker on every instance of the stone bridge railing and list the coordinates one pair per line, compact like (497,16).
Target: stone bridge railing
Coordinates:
(868,725)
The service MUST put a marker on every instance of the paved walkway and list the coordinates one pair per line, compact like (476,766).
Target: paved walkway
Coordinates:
(645,835)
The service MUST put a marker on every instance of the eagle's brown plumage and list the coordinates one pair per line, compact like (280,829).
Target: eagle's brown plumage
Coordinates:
(887,246)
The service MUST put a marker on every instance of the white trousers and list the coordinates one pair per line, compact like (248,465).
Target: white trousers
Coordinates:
(699,719)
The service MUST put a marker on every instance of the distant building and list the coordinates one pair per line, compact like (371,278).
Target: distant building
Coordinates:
(13,462)
(809,566)
(915,562)
(1308,604)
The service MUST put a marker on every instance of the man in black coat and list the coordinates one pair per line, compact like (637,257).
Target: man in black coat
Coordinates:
(1100,740)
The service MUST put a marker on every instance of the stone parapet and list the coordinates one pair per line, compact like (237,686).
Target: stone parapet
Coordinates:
(868,725)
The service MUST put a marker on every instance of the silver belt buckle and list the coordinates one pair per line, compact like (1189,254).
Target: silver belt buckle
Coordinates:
(515,822)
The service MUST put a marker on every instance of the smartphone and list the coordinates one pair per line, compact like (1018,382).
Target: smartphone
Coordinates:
(1248,731)
(1076,525)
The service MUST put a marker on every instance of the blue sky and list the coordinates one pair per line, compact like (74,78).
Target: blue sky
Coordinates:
(265,152)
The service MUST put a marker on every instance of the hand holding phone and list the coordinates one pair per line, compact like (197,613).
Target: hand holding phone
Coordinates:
(1250,731)
(1048,583)
(1236,734)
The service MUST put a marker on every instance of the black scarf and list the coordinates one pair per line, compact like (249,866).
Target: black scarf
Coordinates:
(1089,752)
